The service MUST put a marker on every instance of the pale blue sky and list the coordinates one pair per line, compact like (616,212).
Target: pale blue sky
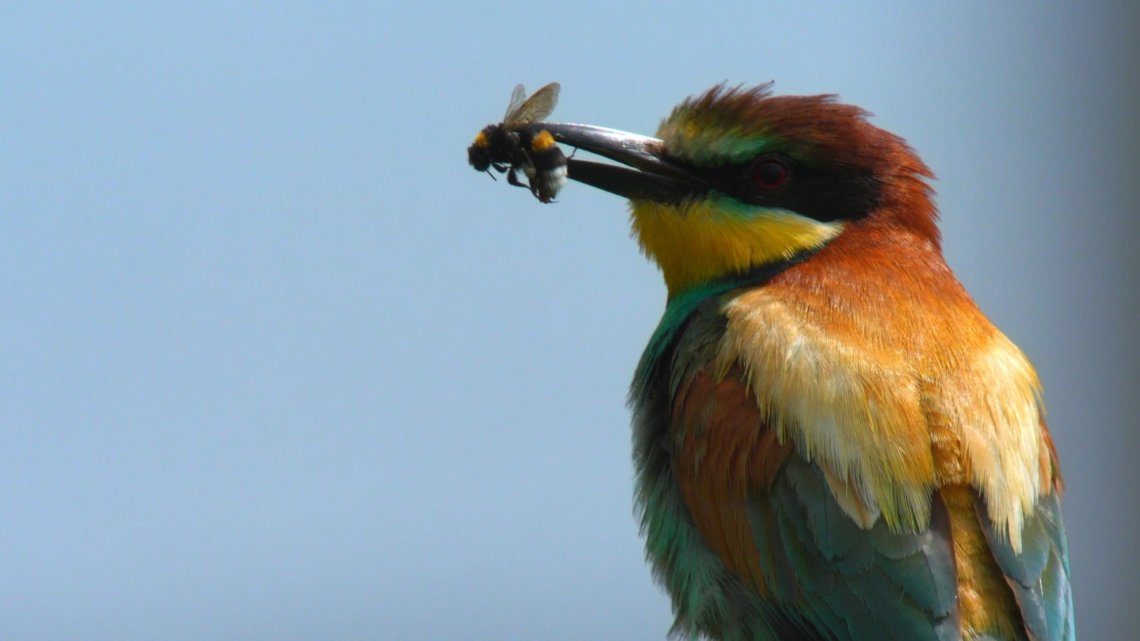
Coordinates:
(275,363)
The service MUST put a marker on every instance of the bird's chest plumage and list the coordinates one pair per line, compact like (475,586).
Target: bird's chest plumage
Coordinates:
(822,394)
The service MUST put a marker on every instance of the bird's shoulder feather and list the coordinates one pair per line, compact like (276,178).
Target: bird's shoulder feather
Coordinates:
(799,532)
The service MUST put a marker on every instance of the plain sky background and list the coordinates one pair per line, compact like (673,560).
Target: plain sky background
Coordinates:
(275,363)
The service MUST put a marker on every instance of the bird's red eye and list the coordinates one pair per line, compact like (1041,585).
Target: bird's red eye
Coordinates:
(770,174)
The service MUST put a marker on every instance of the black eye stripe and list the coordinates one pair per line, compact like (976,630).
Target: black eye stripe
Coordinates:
(823,194)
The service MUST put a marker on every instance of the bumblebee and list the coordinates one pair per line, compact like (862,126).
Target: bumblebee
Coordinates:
(547,172)
(507,150)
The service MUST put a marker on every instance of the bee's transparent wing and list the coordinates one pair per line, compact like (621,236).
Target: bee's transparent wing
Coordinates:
(518,97)
(536,107)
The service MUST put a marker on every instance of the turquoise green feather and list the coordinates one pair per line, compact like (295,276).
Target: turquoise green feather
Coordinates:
(681,307)
(1039,575)
(828,579)
(865,371)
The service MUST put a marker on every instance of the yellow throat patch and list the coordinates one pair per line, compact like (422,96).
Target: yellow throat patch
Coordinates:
(699,240)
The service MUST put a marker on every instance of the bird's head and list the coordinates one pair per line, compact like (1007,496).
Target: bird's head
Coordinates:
(738,179)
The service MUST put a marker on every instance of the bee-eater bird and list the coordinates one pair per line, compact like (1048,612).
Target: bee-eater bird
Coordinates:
(831,440)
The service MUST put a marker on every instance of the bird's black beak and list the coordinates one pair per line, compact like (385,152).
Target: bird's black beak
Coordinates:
(651,177)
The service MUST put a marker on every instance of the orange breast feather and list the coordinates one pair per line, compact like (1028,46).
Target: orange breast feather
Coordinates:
(876,364)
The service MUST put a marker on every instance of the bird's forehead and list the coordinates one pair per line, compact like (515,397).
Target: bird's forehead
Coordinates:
(712,139)
(726,126)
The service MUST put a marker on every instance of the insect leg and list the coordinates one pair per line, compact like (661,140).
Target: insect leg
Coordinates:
(513,179)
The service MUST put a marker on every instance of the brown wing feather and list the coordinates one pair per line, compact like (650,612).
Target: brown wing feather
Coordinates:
(722,452)
(986,602)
